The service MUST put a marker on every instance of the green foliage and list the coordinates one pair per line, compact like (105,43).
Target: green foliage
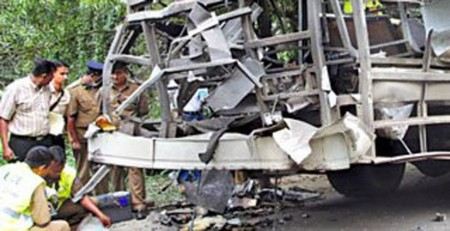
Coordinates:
(74,31)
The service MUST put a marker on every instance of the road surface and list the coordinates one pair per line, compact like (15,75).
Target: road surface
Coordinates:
(413,207)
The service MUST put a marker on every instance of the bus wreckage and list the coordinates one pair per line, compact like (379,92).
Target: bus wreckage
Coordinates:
(366,93)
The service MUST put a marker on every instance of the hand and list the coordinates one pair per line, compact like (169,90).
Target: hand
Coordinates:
(8,154)
(76,145)
(106,221)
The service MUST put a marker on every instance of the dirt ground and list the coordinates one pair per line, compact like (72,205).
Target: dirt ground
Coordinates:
(413,207)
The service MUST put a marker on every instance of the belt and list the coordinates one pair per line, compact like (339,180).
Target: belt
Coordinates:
(34,138)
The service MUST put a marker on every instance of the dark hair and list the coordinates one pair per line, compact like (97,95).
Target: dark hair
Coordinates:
(120,66)
(58,154)
(43,66)
(39,156)
(60,63)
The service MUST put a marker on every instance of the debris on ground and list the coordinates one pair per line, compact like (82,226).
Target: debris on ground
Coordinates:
(440,217)
(246,207)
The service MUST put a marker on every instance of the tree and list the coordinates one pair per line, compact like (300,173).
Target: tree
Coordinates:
(70,30)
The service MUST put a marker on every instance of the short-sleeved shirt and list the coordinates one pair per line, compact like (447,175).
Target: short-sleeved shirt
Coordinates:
(84,106)
(138,107)
(26,107)
(61,106)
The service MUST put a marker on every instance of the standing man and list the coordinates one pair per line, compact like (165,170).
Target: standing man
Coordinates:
(24,112)
(22,194)
(59,101)
(84,108)
(122,88)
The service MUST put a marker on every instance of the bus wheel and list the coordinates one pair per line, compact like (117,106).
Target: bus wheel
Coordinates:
(367,180)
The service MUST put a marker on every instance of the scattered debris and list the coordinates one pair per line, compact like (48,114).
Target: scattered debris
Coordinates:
(440,217)
(247,206)
(305,216)
(213,191)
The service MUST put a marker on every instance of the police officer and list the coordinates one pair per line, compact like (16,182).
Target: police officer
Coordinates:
(122,88)
(22,193)
(84,108)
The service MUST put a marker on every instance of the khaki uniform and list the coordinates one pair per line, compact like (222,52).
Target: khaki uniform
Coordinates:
(84,106)
(41,214)
(136,181)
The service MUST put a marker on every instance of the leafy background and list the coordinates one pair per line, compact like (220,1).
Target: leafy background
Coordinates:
(70,30)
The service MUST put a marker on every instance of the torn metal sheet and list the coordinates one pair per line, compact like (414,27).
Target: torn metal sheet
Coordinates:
(433,13)
(338,145)
(229,94)
(294,140)
(214,37)
(393,112)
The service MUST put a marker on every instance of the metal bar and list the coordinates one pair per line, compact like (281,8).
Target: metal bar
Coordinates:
(422,109)
(166,129)
(156,75)
(440,155)
(365,82)
(131,59)
(90,185)
(413,121)
(404,25)
(300,28)
(277,40)
(342,27)
(388,44)
(291,94)
(298,71)
(400,75)
(250,36)
(321,70)
(405,62)
(107,70)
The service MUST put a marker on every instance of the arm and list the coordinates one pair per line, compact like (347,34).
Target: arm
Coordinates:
(71,112)
(71,129)
(89,205)
(7,110)
(8,154)
(40,212)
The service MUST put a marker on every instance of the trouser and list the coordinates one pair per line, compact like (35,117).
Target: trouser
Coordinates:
(57,225)
(59,141)
(136,184)
(84,168)
(71,212)
(22,144)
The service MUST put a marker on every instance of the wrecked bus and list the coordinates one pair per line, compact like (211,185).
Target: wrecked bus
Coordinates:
(365,93)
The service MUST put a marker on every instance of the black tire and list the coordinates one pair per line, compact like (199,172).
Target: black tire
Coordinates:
(433,168)
(367,180)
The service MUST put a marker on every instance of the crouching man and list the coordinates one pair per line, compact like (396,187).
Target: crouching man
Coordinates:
(64,183)
(22,194)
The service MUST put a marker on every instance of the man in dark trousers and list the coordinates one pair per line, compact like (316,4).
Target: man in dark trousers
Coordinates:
(24,112)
